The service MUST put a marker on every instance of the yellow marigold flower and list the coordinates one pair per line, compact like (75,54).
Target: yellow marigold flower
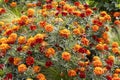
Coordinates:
(49,28)
(72,73)
(36,69)
(21,40)
(17,61)
(115,45)
(97,63)
(3,40)
(13,36)
(49,52)
(30,12)
(25,48)
(15,28)
(41,76)
(22,68)
(98,71)
(29,79)
(64,33)
(4,46)
(66,56)
(95,28)
(96,58)
(13,4)
(54,4)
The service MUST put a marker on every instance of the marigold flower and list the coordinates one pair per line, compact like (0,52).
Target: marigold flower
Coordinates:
(115,50)
(17,61)
(97,63)
(95,28)
(85,41)
(30,12)
(42,23)
(25,48)
(76,47)
(103,13)
(76,31)
(22,68)
(105,35)
(21,40)
(13,4)
(98,71)
(30,41)
(49,28)
(88,12)
(82,69)
(117,71)
(3,40)
(4,46)
(29,60)
(49,52)
(115,45)
(111,58)
(100,47)
(117,22)
(36,69)
(81,63)
(72,73)
(116,14)
(41,76)
(96,58)
(64,33)
(66,56)
(15,28)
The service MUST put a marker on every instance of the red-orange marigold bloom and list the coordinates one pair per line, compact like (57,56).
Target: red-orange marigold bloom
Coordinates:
(115,50)
(29,60)
(117,22)
(88,12)
(17,61)
(100,47)
(76,31)
(72,73)
(21,40)
(66,56)
(30,12)
(115,45)
(116,14)
(42,23)
(85,41)
(97,63)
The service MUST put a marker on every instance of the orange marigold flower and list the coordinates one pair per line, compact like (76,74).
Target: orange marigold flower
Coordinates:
(21,40)
(15,28)
(100,47)
(3,40)
(88,12)
(107,17)
(30,12)
(115,50)
(97,63)
(13,4)
(49,52)
(66,56)
(42,23)
(64,33)
(30,41)
(103,13)
(105,35)
(72,73)
(115,45)
(111,58)
(41,76)
(117,22)
(22,68)
(96,58)
(85,41)
(36,69)
(82,69)
(39,38)
(98,71)
(17,61)
(76,47)
(81,63)
(116,14)
(95,28)
(76,31)
(117,71)
(49,28)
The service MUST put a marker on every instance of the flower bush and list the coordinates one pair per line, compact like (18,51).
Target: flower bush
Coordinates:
(58,41)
